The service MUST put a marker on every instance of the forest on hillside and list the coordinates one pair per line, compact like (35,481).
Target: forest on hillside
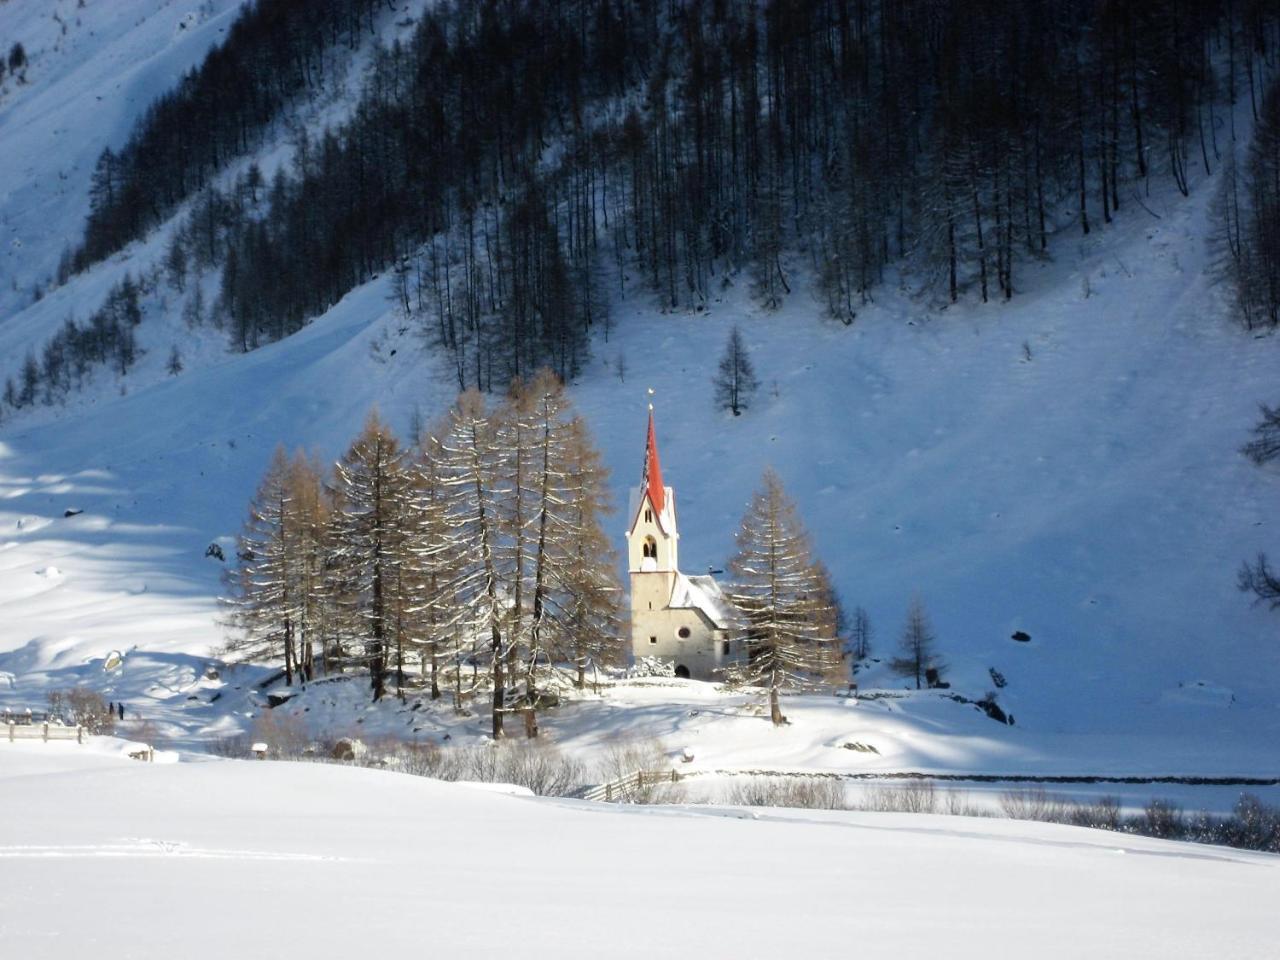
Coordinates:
(519,166)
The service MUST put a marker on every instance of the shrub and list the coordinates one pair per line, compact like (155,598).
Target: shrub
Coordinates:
(1161,818)
(625,757)
(1102,814)
(1254,825)
(536,764)
(652,667)
(916,796)
(285,736)
(1035,804)
(80,706)
(956,804)
(809,793)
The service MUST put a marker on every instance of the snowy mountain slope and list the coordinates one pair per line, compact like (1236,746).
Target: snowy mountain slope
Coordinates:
(217,859)
(1090,495)
(86,87)
(94,69)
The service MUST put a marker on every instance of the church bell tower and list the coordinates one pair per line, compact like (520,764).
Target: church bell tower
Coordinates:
(652,543)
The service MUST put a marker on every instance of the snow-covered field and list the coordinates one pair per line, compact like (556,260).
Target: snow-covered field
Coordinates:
(113,858)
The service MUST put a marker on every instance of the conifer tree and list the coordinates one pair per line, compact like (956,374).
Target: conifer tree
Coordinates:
(534,451)
(788,626)
(471,465)
(266,604)
(860,634)
(559,498)
(736,382)
(311,510)
(590,616)
(371,488)
(523,481)
(917,645)
(428,559)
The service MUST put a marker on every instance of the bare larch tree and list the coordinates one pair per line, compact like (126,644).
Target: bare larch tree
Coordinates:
(788,628)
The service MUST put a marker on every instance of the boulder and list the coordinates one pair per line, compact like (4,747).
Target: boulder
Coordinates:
(278,697)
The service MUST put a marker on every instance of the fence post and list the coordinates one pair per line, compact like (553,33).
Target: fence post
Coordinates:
(46,731)
(608,792)
(79,734)
(11,731)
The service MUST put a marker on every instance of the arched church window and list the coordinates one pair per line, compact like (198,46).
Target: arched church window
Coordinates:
(650,547)
(648,515)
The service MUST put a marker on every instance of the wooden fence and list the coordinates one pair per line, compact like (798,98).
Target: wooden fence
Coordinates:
(45,731)
(626,789)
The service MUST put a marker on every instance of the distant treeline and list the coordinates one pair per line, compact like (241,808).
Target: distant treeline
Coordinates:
(274,51)
(1248,211)
(106,339)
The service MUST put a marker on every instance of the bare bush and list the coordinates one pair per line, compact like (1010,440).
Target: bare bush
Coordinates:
(1254,825)
(234,747)
(1102,814)
(1161,818)
(809,793)
(428,760)
(143,731)
(82,707)
(917,796)
(1204,827)
(538,766)
(285,736)
(956,803)
(1036,804)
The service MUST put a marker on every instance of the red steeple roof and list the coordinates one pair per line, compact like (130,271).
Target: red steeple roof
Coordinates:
(651,481)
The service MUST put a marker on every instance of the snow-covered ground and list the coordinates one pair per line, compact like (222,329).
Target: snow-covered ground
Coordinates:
(110,857)
(1065,464)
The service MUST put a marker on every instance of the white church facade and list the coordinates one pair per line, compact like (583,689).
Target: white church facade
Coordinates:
(683,620)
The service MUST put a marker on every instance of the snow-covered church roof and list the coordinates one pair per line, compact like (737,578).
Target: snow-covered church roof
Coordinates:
(704,594)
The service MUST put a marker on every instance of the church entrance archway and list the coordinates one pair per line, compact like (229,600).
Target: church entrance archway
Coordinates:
(682,671)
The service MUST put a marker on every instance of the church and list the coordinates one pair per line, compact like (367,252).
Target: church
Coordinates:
(682,620)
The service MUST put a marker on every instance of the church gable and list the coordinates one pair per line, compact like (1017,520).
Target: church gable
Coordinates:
(702,594)
(642,511)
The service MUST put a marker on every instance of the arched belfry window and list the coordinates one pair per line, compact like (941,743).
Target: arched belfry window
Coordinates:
(650,547)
